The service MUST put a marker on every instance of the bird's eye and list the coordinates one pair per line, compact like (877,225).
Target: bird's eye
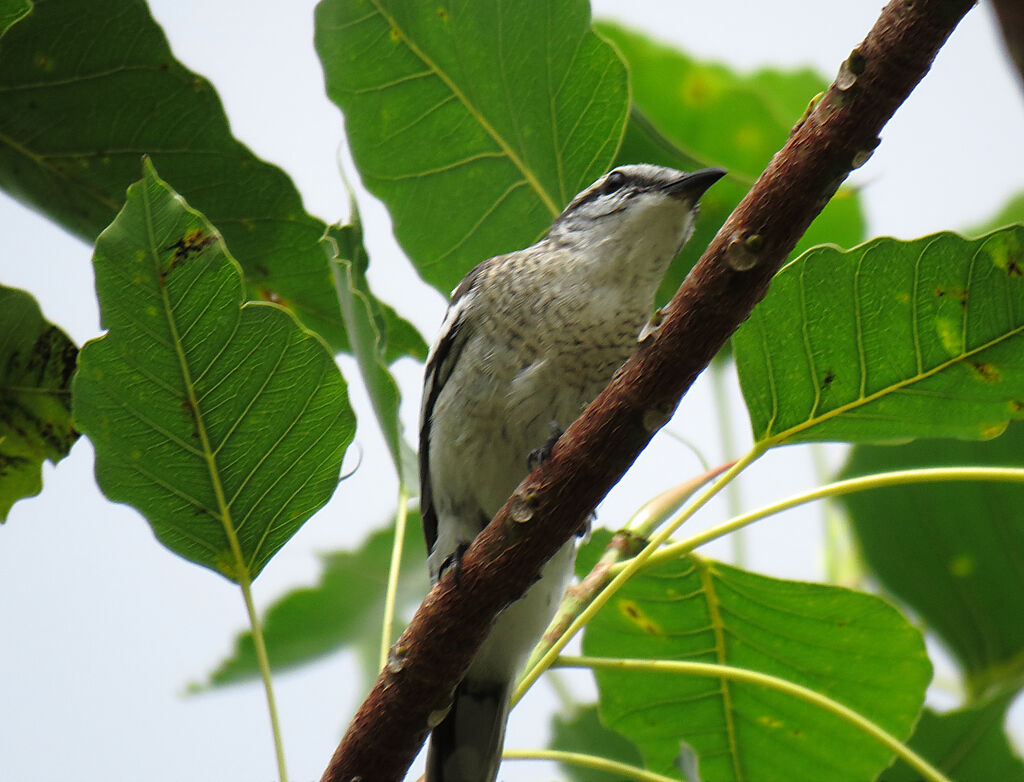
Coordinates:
(613,182)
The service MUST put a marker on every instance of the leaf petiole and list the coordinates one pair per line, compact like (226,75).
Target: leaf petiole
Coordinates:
(716,671)
(588,761)
(839,488)
(263,661)
(628,568)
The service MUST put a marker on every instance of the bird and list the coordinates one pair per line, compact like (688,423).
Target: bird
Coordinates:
(528,340)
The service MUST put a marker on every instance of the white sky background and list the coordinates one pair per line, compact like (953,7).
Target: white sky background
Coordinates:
(102,627)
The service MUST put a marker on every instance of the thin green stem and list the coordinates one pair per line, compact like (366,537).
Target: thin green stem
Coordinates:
(628,568)
(837,489)
(263,662)
(843,563)
(391,596)
(692,447)
(240,573)
(727,438)
(653,513)
(587,761)
(715,671)
(625,544)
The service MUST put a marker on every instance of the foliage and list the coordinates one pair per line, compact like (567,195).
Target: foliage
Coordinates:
(36,363)
(215,406)
(224,423)
(888,341)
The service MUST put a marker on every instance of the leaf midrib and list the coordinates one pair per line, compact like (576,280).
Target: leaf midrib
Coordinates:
(781,437)
(241,573)
(703,568)
(500,140)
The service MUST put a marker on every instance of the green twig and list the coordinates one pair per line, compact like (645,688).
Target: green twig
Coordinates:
(716,671)
(588,761)
(626,569)
(263,662)
(391,596)
(657,510)
(837,489)
(623,545)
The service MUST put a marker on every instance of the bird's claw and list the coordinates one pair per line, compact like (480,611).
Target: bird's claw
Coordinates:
(540,455)
(453,562)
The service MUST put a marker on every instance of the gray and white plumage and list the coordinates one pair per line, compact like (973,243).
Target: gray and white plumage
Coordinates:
(529,339)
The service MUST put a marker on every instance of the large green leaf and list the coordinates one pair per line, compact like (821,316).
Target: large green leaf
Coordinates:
(475,123)
(952,551)
(852,647)
(89,87)
(889,341)
(968,745)
(690,114)
(343,609)
(368,334)
(36,363)
(224,424)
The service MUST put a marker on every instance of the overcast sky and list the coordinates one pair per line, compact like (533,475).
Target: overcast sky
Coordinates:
(102,627)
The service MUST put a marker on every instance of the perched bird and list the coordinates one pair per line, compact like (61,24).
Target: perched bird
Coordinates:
(529,339)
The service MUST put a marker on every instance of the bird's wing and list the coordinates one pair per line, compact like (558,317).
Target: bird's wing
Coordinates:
(444,355)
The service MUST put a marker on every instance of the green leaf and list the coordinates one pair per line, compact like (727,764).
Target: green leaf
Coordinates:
(345,608)
(11,12)
(714,114)
(224,424)
(889,341)
(583,732)
(89,87)
(690,114)
(852,647)
(36,363)
(950,550)
(367,326)
(968,745)
(475,123)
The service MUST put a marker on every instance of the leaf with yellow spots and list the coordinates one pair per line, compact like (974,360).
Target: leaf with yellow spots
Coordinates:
(852,647)
(889,341)
(951,551)
(224,423)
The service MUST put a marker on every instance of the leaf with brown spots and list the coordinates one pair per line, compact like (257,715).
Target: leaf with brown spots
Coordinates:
(889,341)
(222,421)
(852,647)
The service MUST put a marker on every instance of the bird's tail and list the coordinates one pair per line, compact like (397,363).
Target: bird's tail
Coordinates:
(466,745)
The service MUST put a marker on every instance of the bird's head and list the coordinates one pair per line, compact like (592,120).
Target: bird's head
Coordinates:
(635,208)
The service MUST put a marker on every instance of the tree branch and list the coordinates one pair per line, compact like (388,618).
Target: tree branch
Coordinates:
(718,295)
(1010,14)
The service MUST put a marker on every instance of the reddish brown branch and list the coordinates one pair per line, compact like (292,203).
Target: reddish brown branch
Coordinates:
(1010,14)
(719,294)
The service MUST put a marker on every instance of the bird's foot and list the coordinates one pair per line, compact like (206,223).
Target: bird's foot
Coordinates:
(584,530)
(453,562)
(540,455)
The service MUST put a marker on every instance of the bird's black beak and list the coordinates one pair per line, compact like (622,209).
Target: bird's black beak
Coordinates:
(692,186)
